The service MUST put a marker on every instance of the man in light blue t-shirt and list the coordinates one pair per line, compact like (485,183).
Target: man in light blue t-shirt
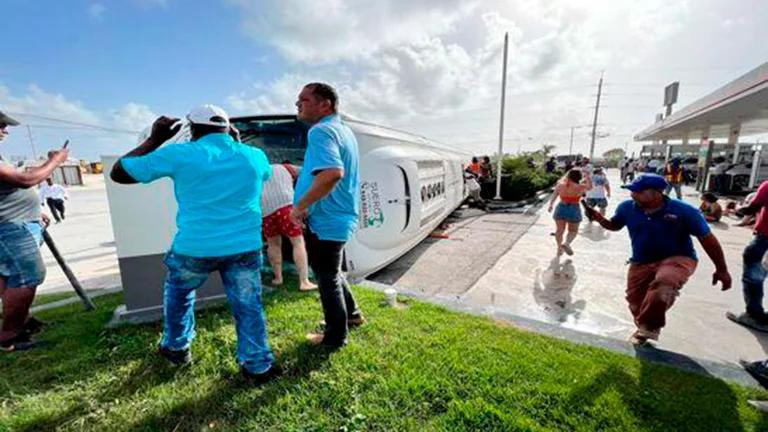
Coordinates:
(217,182)
(328,198)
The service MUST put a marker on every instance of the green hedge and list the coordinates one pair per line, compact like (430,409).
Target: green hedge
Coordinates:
(520,181)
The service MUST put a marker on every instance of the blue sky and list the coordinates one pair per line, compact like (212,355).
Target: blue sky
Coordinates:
(427,66)
(131,49)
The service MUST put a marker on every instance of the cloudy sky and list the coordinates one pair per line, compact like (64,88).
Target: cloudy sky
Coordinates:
(432,67)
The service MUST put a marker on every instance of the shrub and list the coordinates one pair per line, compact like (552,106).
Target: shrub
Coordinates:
(519,181)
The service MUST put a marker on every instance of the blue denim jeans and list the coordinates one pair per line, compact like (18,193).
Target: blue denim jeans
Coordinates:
(241,276)
(754,274)
(678,187)
(20,261)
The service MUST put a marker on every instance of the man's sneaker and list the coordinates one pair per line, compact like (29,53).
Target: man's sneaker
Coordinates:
(758,370)
(759,323)
(22,342)
(33,326)
(567,249)
(356,321)
(353,322)
(274,372)
(318,339)
(643,337)
(179,357)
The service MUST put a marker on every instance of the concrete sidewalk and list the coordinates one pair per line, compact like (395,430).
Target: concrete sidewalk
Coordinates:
(587,293)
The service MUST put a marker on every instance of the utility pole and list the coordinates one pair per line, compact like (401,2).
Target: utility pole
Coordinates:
(31,142)
(501,117)
(594,122)
(570,148)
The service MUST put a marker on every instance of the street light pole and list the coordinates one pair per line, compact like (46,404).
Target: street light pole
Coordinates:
(31,142)
(501,117)
(570,148)
(594,122)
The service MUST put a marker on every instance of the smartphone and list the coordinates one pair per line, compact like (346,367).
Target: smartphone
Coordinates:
(66,143)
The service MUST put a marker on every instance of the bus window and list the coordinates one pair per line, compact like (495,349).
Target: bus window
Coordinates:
(281,138)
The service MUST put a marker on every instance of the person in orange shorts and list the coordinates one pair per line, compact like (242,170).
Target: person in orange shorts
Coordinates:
(663,257)
(276,204)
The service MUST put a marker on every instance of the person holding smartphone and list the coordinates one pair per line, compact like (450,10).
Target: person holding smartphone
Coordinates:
(21,233)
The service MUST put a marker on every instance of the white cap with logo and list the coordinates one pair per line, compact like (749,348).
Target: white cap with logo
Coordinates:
(210,115)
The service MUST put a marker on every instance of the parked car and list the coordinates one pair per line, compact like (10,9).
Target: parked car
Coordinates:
(739,176)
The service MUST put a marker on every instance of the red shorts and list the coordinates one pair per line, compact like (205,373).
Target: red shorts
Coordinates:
(279,223)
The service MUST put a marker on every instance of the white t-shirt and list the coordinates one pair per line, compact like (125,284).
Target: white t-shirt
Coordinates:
(54,191)
(599,181)
(278,191)
(720,168)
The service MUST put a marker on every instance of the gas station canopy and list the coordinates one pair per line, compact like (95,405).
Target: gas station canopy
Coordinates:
(739,107)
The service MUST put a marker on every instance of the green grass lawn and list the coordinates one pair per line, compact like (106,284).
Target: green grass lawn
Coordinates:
(42,299)
(420,368)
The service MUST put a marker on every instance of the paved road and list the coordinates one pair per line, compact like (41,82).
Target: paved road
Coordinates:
(85,239)
(588,293)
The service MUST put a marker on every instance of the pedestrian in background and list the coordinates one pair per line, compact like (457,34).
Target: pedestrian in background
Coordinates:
(54,195)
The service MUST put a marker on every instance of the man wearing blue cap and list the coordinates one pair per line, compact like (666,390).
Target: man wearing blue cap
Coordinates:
(663,257)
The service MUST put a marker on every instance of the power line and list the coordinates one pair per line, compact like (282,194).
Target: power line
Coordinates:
(86,125)
(76,128)
(634,84)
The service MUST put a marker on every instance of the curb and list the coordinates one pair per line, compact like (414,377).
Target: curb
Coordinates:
(724,371)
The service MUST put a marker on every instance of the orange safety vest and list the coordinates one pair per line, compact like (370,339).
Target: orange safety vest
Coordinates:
(672,175)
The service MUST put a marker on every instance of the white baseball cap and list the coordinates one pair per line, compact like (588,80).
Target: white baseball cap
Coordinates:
(208,115)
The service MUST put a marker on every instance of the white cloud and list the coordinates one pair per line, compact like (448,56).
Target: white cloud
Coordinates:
(734,23)
(325,32)
(133,116)
(54,118)
(39,102)
(96,11)
(434,66)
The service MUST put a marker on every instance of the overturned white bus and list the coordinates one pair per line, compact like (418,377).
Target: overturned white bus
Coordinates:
(408,185)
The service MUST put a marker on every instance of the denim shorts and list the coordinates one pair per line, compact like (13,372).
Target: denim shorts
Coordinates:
(568,212)
(597,202)
(20,261)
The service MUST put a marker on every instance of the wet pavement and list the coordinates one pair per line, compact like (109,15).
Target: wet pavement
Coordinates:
(451,262)
(585,292)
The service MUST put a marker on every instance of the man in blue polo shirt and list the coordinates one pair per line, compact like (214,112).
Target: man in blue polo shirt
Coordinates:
(327,197)
(217,183)
(663,257)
